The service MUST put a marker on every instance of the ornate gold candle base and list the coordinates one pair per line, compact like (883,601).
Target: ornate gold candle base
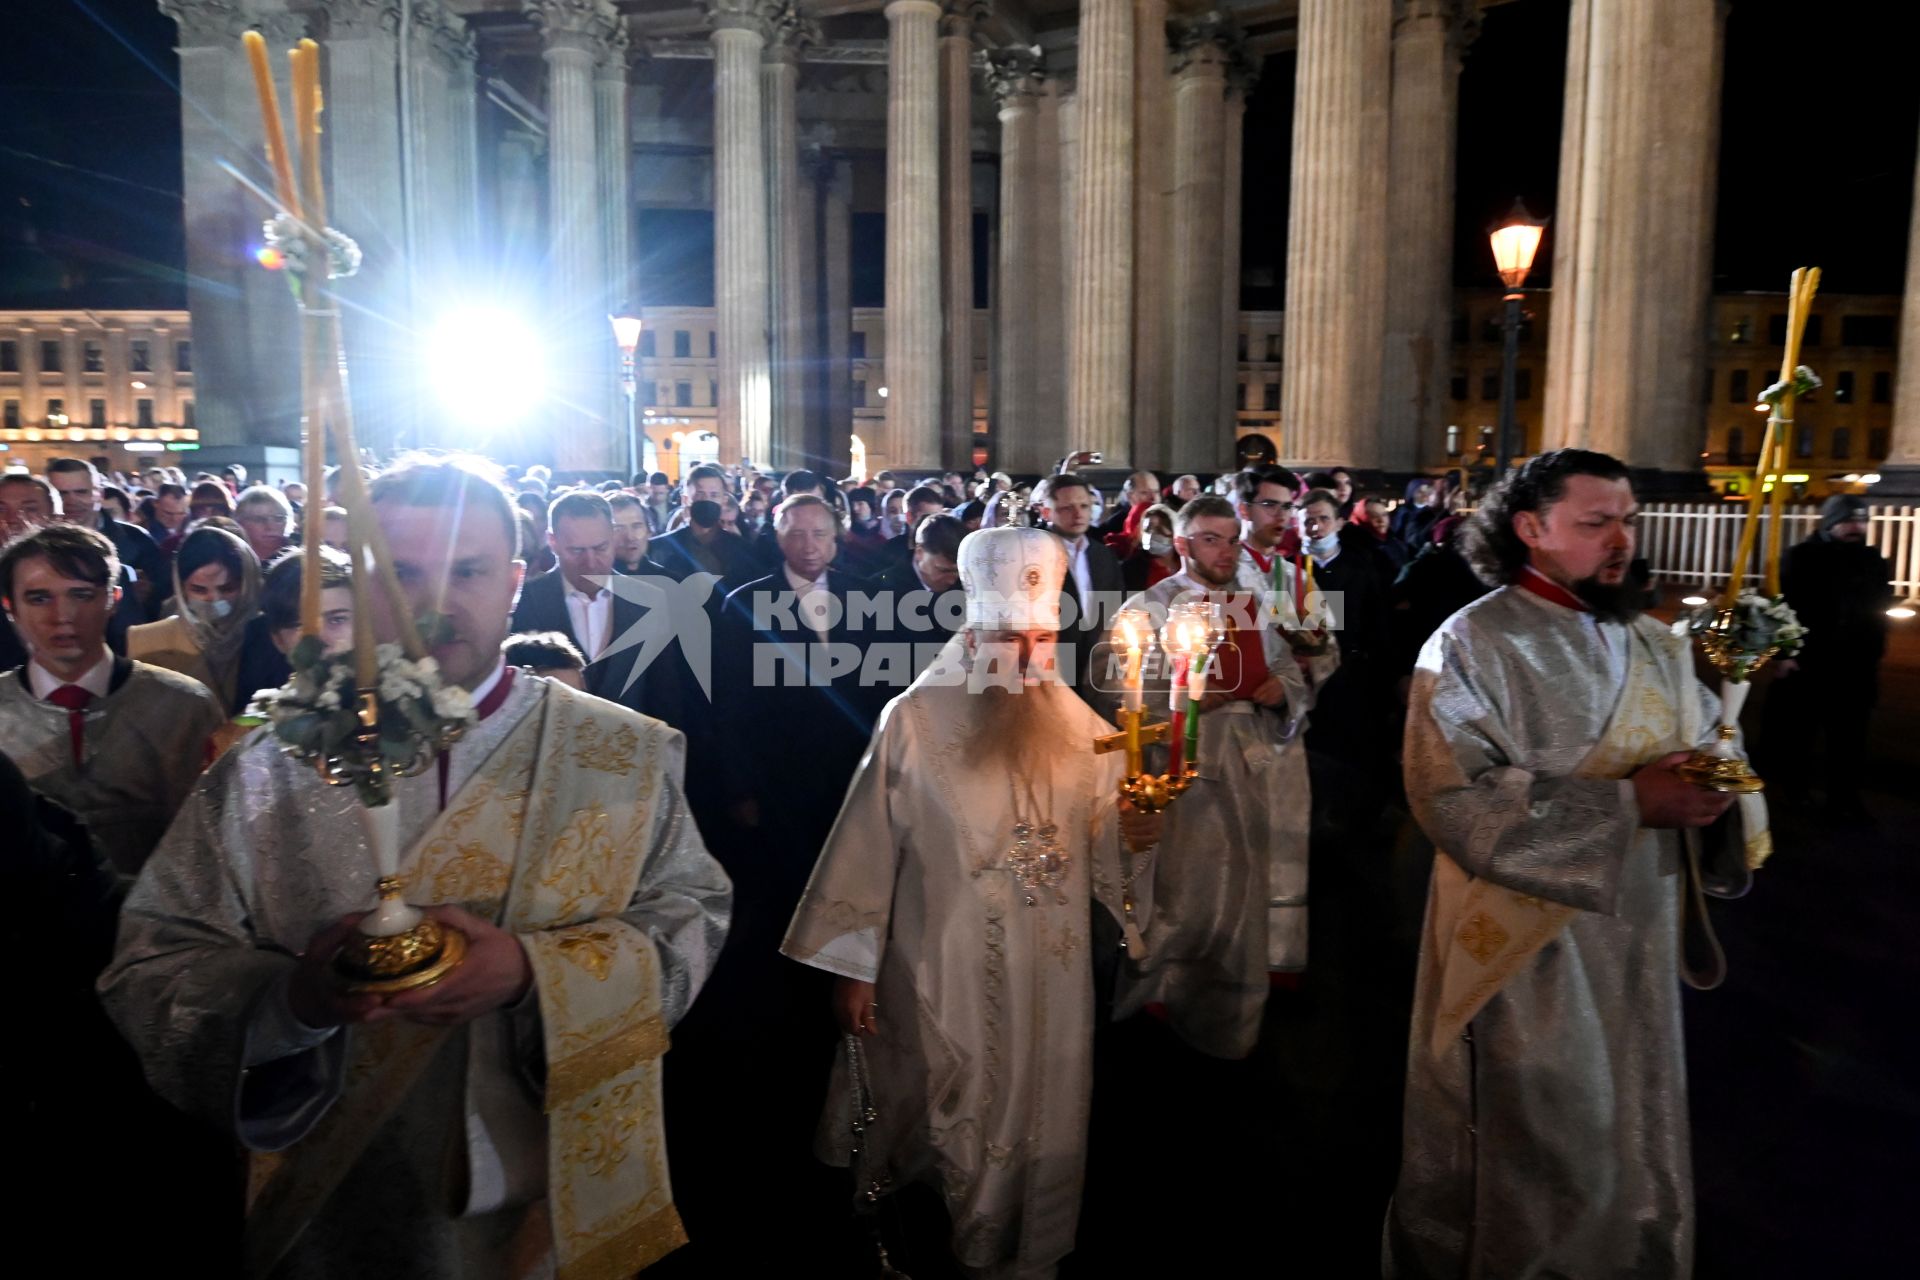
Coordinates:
(1153,792)
(414,957)
(1713,772)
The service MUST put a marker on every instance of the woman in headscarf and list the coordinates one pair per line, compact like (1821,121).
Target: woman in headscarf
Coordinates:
(216,592)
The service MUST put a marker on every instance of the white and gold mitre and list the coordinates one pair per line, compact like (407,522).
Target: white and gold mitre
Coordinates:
(1012,578)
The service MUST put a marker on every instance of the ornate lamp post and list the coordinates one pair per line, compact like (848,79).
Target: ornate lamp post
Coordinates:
(626,332)
(1515,241)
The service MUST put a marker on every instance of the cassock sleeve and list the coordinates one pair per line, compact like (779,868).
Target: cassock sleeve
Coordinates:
(1563,839)
(842,921)
(202,999)
(684,901)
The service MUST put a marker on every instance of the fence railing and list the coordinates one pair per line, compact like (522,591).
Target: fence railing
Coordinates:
(1693,543)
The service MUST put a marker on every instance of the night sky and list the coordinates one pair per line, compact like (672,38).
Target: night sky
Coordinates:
(90,136)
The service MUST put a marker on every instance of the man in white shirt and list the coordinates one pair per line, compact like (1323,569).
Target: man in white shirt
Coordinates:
(120,743)
(574,597)
(1093,580)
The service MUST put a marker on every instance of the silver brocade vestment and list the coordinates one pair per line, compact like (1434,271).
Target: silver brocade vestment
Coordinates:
(1551,1139)
(262,856)
(982,1065)
(144,745)
(1228,902)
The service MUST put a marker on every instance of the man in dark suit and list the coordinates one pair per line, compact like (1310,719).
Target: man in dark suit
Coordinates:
(791,649)
(928,604)
(922,502)
(1094,587)
(701,545)
(578,600)
(631,537)
(79,486)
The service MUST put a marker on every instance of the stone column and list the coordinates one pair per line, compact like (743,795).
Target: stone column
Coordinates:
(1153,316)
(456,48)
(1067,147)
(1428,39)
(367,200)
(1199,153)
(779,79)
(614,136)
(246,383)
(1900,473)
(1052,202)
(1100,340)
(1242,72)
(740,29)
(913,236)
(956,229)
(1017,83)
(836,289)
(1626,351)
(573,33)
(1336,235)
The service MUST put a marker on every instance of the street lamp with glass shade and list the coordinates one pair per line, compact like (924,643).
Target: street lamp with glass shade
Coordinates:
(626,334)
(1515,241)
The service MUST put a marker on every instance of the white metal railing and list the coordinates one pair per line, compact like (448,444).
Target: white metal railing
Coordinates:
(1692,543)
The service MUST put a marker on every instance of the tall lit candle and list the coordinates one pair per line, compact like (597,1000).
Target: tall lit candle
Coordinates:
(1177,713)
(256,46)
(1130,627)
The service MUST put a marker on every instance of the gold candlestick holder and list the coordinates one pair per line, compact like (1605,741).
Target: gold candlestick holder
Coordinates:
(1147,792)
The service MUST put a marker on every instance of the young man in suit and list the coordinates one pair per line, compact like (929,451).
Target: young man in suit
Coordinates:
(701,545)
(578,599)
(1094,582)
(928,604)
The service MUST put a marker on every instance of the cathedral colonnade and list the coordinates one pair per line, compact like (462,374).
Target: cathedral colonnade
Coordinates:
(1099,147)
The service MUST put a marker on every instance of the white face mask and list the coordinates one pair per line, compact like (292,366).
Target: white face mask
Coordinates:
(213,610)
(1323,548)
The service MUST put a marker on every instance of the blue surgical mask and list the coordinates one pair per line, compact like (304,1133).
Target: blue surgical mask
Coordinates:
(213,610)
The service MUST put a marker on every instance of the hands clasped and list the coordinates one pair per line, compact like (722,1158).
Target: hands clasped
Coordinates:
(494,974)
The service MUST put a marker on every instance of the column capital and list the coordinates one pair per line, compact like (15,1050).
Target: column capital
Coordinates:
(757,17)
(790,33)
(582,25)
(359,19)
(929,8)
(958,17)
(1016,75)
(447,34)
(614,50)
(220,22)
(1205,40)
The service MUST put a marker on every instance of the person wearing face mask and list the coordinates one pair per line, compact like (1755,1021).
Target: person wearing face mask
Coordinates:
(1155,559)
(216,592)
(1351,723)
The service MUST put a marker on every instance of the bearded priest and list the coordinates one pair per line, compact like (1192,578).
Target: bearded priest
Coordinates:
(504,1121)
(1546,1104)
(954,903)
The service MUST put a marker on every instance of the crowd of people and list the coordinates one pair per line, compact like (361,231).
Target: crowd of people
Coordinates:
(725,752)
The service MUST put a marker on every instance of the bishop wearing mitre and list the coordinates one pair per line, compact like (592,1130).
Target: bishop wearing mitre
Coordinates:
(954,903)
(505,1121)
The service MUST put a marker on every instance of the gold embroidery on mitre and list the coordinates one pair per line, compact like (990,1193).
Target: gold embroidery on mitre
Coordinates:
(1483,937)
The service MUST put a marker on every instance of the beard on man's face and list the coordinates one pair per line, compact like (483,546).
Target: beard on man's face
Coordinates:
(1015,729)
(1621,601)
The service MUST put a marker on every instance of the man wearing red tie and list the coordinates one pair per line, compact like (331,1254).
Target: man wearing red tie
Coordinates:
(118,742)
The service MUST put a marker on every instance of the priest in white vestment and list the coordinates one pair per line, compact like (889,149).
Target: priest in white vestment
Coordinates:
(503,1122)
(954,901)
(1546,1104)
(1229,899)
